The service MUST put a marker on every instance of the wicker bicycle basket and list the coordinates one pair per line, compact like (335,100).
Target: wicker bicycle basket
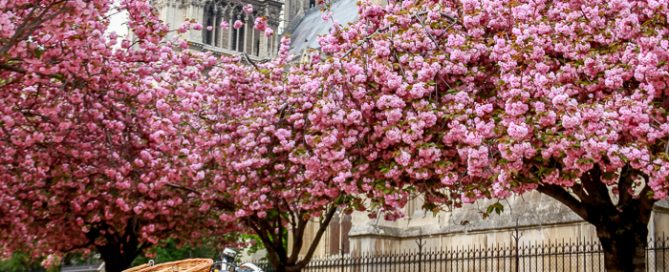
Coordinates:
(187,265)
(136,268)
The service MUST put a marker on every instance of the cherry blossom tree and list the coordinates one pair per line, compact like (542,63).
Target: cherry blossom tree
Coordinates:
(273,159)
(469,99)
(91,134)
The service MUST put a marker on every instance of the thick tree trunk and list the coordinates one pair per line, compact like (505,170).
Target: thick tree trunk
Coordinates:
(120,249)
(278,254)
(622,225)
(117,262)
(294,269)
(624,248)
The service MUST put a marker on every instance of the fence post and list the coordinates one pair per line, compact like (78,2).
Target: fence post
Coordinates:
(341,255)
(516,237)
(664,248)
(420,244)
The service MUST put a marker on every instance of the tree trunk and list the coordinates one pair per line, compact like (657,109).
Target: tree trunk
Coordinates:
(116,262)
(120,249)
(624,247)
(277,253)
(622,227)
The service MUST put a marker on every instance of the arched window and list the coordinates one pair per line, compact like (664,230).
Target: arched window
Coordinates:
(212,19)
(238,34)
(217,28)
(209,17)
(257,45)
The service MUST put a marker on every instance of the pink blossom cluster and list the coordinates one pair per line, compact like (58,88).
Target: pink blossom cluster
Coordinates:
(511,94)
(248,9)
(91,134)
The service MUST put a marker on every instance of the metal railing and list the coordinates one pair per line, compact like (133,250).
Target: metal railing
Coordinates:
(572,256)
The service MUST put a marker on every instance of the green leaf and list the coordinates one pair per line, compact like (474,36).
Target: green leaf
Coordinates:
(497,207)
(39,52)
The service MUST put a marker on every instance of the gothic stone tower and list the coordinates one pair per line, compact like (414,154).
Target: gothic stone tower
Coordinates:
(294,11)
(228,41)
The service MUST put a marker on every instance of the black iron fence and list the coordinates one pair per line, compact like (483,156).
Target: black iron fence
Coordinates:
(560,256)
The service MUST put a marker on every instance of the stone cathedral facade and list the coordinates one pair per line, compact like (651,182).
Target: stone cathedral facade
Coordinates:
(211,13)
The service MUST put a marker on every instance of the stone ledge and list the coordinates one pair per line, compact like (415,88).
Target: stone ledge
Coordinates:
(538,213)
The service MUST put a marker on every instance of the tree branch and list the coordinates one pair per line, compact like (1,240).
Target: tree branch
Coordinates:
(5,66)
(563,196)
(577,188)
(298,235)
(598,193)
(624,183)
(225,205)
(30,23)
(645,200)
(451,19)
(248,59)
(177,186)
(321,229)
(272,253)
(436,44)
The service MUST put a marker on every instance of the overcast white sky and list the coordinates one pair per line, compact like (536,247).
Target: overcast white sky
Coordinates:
(117,22)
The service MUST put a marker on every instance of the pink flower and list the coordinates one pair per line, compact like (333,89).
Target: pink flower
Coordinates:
(200,175)
(403,159)
(142,188)
(465,198)
(260,23)
(449,179)
(477,161)
(571,121)
(238,24)
(248,9)
(393,116)
(418,90)
(226,217)
(393,135)
(268,32)
(122,205)
(517,132)
(326,16)
(8,121)
(183,28)
(241,213)
(516,108)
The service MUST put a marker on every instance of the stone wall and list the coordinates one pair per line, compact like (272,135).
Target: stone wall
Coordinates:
(539,219)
